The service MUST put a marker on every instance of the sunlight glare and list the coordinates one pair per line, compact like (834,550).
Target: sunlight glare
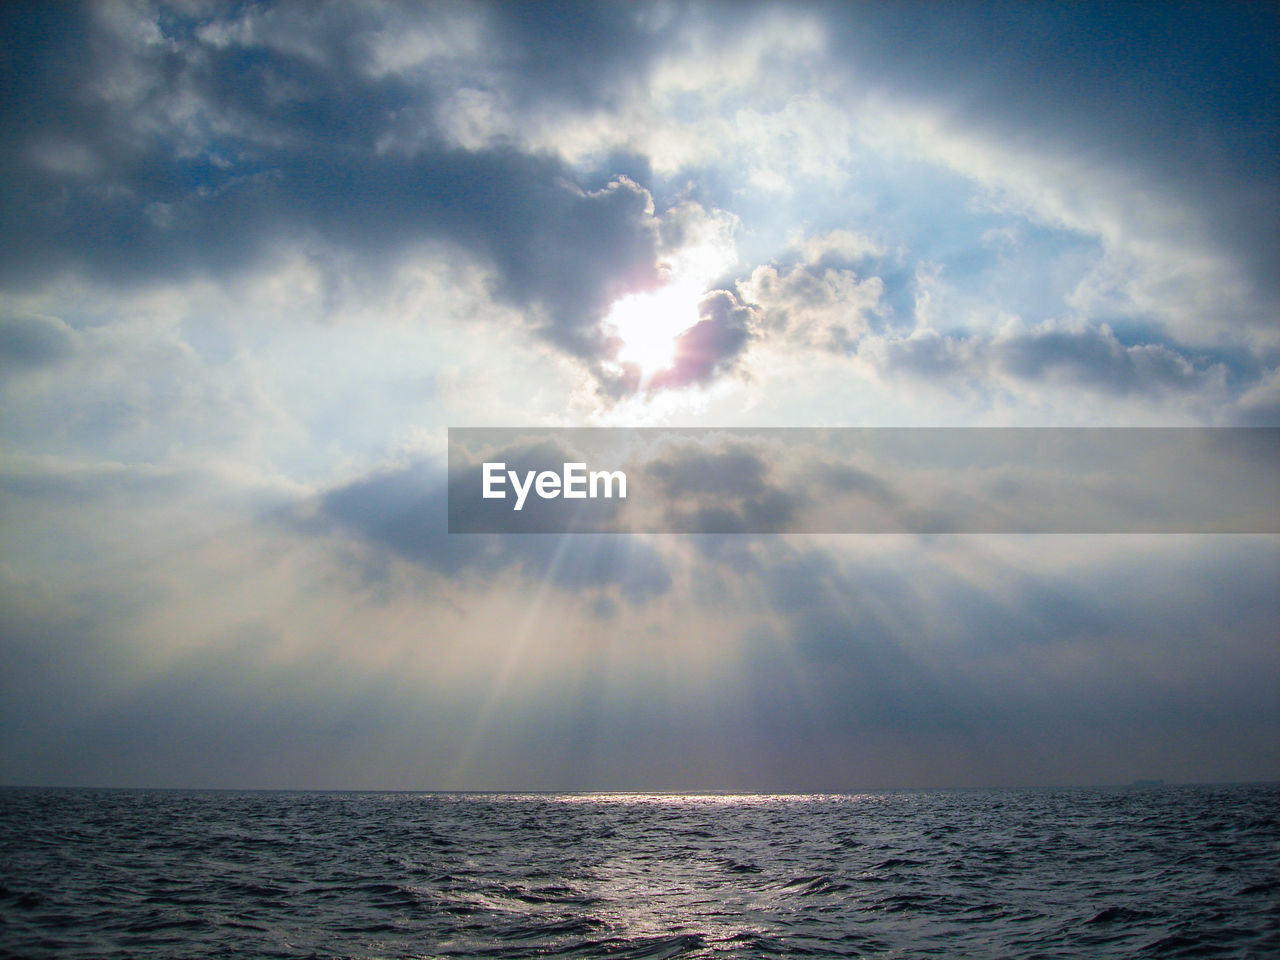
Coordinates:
(649,323)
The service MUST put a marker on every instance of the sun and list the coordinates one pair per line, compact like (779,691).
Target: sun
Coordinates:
(648,325)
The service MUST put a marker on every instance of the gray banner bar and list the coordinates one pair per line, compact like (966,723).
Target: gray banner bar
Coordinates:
(864,480)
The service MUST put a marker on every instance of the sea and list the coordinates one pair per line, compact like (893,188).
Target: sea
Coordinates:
(1178,871)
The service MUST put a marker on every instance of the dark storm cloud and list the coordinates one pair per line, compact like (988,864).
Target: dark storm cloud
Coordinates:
(194,151)
(578,51)
(403,510)
(1185,91)
(1096,358)
(713,344)
(29,341)
(1093,357)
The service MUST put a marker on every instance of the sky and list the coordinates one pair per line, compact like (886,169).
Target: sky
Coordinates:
(257,258)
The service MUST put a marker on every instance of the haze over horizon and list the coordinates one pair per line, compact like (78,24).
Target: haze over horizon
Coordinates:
(257,258)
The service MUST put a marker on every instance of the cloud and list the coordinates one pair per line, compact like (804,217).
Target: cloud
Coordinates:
(31,341)
(825,305)
(69,484)
(179,148)
(799,659)
(940,480)
(721,490)
(828,309)
(1076,120)
(255,257)
(1259,406)
(403,511)
(180,144)
(712,346)
(122,383)
(562,252)
(1095,358)
(1078,356)
(981,650)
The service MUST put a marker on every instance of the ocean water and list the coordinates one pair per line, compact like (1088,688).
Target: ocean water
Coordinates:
(1089,873)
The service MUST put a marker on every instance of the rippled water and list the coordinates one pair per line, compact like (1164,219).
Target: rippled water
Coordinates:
(1191,871)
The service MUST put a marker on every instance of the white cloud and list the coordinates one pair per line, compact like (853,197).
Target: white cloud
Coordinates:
(827,309)
(1158,261)
(446,40)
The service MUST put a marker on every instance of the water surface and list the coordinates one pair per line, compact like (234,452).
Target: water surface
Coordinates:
(1171,872)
